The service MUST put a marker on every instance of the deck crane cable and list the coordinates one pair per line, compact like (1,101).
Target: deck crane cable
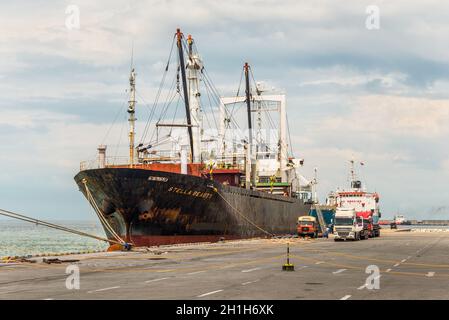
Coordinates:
(210,93)
(271,122)
(119,138)
(290,138)
(241,214)
(119,110)
(170,96)
(231,114)
(235,102)
(174,114)
(209,90)
(114,121)
(22,217)
(215,91)
(269,118)
(100,215)
(161,85)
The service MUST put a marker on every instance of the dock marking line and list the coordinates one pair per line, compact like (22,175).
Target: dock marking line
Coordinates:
(388,270)
(403,260)
(104,289)
(155,280)
(209,293)
(339,271)
(251,270)
(430,274)
(196,272)
(249,282)
(397,264)
(346,297)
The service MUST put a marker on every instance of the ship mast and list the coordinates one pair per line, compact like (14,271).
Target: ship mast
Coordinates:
(352,171)
(132,117)
(250,158)
(355,184)
(194,65)
(185,91)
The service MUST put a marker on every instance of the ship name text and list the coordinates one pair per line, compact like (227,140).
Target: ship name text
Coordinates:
(159,179)
(192,193)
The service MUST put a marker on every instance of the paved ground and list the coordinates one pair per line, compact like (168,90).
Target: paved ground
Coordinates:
(411,265)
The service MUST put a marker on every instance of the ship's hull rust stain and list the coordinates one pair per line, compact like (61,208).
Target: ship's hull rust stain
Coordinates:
(152,207)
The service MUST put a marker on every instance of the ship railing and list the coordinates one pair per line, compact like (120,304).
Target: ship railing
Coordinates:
(106,162)
(230,162)
(160,156)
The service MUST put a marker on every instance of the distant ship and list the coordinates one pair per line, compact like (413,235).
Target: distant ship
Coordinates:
(400,219)
(365,203)
(193,193)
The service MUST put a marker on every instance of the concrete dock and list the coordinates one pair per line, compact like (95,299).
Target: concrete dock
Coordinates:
(412,265)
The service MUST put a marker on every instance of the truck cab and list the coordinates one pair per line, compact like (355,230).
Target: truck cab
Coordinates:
(349,226)
(307,226)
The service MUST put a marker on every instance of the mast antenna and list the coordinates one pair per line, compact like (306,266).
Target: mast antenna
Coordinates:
(352,170)
(132,117)
(132,56)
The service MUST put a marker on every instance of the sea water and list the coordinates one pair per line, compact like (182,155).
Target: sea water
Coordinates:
(23,239)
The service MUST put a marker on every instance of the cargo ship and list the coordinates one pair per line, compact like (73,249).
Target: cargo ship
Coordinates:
(203,188)
(365,203)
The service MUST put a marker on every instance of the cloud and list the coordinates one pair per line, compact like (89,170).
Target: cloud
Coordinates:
(404,116)
(381,96)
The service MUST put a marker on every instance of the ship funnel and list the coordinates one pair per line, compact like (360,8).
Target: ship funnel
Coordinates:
(101,156)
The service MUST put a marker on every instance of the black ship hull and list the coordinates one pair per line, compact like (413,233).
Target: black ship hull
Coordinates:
(148,207)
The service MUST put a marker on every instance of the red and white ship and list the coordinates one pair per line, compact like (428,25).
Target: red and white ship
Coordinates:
(365,203)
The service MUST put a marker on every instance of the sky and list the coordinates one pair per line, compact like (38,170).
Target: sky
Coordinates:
(376,93)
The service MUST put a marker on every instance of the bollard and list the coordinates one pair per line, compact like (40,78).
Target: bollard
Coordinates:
(288,266)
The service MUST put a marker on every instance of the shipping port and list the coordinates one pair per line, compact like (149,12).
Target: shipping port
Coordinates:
(170,150)
(226,216)
(244,269)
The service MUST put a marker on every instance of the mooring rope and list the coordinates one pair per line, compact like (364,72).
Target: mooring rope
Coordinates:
(242,215)
(102,218)
(100,215)
(22,217)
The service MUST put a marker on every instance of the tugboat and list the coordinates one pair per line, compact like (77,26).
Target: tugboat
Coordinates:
(193,192)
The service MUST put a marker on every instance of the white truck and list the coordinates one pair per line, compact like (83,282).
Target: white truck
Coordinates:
(348,226)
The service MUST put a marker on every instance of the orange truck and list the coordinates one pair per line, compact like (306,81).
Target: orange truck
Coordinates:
(307,227)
